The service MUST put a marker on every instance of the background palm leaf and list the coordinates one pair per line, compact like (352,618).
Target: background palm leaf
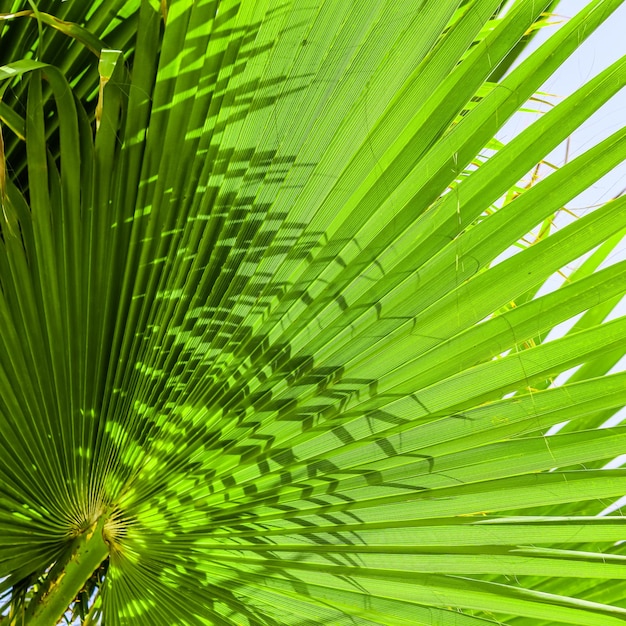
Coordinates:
(262,361)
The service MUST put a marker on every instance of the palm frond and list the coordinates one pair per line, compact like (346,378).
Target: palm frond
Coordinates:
(269,353)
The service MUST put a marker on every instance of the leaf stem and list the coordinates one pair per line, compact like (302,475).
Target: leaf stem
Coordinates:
(88,552)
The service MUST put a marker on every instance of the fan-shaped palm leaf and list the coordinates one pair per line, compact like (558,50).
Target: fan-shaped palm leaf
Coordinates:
(262,358)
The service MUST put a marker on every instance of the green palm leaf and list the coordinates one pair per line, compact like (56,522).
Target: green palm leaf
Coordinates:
(261,360)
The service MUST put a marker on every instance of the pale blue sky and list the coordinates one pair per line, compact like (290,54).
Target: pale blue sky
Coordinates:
(602,48)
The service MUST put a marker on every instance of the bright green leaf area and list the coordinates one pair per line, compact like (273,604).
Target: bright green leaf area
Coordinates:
(277,313)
